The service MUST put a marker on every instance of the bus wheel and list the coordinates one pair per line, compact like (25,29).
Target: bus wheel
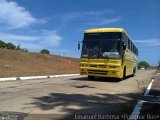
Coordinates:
(134,72)
(90,77)
(124,74)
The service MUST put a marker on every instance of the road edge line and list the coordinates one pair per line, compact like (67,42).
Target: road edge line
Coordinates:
(36,77)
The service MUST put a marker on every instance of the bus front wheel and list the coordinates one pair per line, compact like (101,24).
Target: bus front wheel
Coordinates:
(124,74)
(134,72)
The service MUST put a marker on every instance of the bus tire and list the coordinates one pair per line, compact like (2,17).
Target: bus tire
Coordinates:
(90,77)
(134,72)
(124,74)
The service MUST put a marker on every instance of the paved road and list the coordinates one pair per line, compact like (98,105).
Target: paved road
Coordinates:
(151,102)
(66,96)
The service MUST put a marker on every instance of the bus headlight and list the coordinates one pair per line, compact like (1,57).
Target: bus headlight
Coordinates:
(83,71)
(82,65)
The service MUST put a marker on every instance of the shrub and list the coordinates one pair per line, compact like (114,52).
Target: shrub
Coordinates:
(143,64)
(2,44)
(44,51)
(10,46)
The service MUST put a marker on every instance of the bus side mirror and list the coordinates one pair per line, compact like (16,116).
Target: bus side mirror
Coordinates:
(79,45)
(124,46)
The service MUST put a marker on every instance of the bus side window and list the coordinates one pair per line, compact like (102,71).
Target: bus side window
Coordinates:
(134,49)
(129,45)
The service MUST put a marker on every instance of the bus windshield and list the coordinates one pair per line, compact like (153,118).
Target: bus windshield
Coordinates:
(101,46)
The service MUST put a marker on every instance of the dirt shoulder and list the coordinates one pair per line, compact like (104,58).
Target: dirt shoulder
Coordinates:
(15,63)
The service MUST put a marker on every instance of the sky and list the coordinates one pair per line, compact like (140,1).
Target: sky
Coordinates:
(58,25)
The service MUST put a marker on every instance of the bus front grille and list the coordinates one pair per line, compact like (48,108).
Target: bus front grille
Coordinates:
(99,72)
(98,66)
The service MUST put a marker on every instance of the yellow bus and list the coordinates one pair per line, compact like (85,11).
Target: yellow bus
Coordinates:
(108,52)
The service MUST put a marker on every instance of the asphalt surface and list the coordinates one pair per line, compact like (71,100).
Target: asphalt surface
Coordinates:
(69,97)
(151,106)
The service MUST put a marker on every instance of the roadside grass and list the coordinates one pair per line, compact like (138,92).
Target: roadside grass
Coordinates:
(17,63)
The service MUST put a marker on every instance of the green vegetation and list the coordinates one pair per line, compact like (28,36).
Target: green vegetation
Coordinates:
(44,51)
(143,64)
(18,78)
(11,46)
(2,44)
(7,45)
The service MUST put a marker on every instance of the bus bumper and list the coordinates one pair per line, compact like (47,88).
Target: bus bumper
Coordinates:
(102,73)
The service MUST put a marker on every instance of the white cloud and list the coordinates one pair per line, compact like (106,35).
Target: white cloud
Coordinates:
(15,16)
(73,15)
(50,38)
(102,12)
(63,52)
(151,42)
(45,39)
(91,18)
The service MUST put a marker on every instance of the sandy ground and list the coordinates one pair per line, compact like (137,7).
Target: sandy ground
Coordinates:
(70,97)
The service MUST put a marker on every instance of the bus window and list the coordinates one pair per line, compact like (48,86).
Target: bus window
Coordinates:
(134,49)
(129,44)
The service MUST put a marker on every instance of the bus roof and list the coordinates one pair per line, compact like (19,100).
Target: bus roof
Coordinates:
(104,30)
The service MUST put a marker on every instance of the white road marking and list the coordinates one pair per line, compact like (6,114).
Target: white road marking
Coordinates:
(36,77)
(136,111)
(148,88)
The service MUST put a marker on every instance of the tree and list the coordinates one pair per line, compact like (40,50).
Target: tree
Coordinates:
(2,44)
(143,64)
(26,50)
(44,51)
(159,63)
(18,47)
(10,46)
